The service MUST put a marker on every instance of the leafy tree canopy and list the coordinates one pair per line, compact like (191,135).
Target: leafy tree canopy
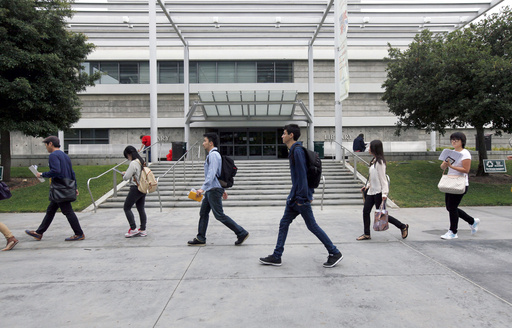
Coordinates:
(454,80)
(40,64)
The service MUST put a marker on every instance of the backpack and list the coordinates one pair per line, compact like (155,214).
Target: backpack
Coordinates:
(313,168)
(227,171)
(147,181)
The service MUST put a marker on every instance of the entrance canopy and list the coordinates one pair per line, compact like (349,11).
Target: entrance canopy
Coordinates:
(241,23)
(248,105)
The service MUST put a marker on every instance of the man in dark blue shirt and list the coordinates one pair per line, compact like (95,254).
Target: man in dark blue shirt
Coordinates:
(358,145)
(60,167)
(299,202)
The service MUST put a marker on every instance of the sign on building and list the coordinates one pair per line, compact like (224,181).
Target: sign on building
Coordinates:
(494,166)
(341,46)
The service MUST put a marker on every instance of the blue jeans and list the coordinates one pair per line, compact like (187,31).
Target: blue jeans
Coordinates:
(290,213)
(212,201)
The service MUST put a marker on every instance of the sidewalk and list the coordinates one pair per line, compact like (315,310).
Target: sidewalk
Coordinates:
(158,281)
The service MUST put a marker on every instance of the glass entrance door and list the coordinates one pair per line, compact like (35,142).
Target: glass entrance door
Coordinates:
(252,143)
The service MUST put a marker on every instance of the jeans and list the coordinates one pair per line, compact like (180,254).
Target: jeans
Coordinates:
(67,210)
(213,201)
(139,199)
(452,203)
(290,213)
(369,202)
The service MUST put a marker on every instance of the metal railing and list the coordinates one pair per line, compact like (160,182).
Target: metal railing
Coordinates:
(173,168)
(114,182)
(323,192)
(356,158)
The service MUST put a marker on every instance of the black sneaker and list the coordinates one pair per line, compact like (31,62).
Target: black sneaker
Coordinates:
(270,260)
(196,242)
(240,240)
(332,260)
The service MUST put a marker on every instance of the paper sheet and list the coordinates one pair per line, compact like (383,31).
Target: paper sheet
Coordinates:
(451,155)
(33,169)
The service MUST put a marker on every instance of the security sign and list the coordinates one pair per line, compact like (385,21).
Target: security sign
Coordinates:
(494,166)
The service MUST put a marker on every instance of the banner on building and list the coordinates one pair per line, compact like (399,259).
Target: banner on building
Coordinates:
(341,12)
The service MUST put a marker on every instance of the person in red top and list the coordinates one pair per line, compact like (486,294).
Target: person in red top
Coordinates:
(146,142)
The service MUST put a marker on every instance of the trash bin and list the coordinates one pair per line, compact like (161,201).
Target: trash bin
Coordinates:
(319,148)
(178,149)
(487,140)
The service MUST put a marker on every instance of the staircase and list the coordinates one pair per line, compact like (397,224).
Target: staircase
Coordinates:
(257,183)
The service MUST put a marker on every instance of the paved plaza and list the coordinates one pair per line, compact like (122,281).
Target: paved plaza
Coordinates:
(158,281)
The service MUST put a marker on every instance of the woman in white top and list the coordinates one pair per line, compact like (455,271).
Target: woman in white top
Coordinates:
(376,190)
(459,167)
(134,195)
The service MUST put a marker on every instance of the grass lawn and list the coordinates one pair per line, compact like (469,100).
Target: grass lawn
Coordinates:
(414,184)
(35,198)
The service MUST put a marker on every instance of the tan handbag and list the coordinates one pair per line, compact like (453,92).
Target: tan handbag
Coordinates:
(452,184)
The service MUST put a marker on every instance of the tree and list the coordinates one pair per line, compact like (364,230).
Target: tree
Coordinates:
(40,77)
(455,80)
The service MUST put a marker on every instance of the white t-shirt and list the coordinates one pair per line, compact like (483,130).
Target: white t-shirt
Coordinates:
(465,155)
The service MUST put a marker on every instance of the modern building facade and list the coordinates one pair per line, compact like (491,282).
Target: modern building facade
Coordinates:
(252,68)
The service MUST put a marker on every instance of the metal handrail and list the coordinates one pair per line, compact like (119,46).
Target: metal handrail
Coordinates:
(114,178)
(191,150)
(323,192)
(356,157)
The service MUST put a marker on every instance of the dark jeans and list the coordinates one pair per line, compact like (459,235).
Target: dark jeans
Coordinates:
(369,202)
(452,206)
(137,198)
(213,202)
(291,211)
(67,210)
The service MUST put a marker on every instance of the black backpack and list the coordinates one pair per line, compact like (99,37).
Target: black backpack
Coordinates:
(313,168)
(227,171)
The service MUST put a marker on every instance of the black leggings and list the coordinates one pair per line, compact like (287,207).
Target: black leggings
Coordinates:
(452,206)
(369,202)
(139,199)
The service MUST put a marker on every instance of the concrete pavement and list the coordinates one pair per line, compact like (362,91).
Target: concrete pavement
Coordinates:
(158,281)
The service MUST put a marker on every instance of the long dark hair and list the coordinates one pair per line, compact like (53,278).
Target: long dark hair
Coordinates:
(378,152)
(130,150)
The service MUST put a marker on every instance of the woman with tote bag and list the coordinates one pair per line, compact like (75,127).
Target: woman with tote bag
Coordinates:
(459,167)
(376,191)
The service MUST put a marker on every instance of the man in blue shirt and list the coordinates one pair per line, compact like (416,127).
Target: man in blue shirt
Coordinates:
(299,202)
(60,167)
(213,195)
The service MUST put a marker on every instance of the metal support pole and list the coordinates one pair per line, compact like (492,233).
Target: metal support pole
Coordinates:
(153,81)
(186,92)
(311,101)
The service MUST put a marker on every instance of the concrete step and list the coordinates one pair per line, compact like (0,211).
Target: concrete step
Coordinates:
(258,183)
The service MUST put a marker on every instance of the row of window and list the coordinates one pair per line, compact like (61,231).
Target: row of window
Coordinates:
(172,72)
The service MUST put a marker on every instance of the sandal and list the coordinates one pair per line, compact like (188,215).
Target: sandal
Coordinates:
(405,231)
(364,237)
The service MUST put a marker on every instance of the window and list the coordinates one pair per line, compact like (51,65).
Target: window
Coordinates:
(172,72)
(85,136)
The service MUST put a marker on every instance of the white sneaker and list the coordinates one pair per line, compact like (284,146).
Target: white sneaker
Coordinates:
(142,233)
(132,233)
(474,226)
(449,235)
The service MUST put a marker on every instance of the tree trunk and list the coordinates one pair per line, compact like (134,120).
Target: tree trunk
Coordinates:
(482,151)
(5,152)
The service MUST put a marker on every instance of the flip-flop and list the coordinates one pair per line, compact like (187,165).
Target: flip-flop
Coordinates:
(405,231)
(364,237)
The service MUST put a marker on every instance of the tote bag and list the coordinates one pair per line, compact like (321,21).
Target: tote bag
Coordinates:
(452,184)
(62,190)
(380,222)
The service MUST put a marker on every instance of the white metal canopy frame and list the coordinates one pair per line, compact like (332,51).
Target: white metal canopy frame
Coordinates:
(280,23)
(248,105)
